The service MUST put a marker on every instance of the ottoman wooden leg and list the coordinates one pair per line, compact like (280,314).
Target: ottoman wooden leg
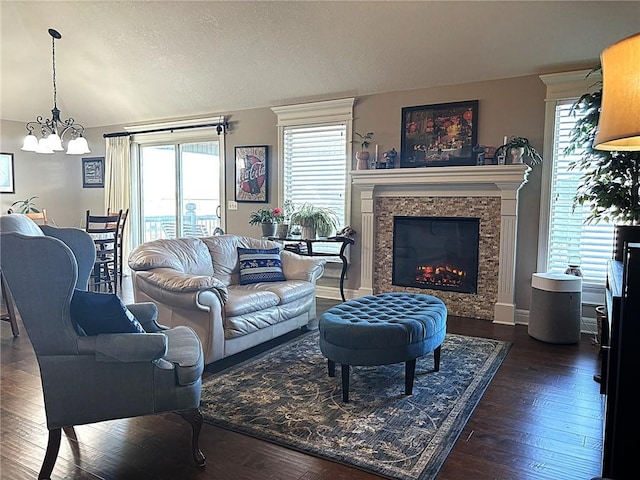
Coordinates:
(409,375)
(331,368)
(436,359)
(345,382)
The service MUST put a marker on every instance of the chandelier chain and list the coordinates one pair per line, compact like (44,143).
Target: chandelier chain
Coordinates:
(55,90)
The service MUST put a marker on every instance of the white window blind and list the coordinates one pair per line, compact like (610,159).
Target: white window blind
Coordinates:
(569,235)
(315,166)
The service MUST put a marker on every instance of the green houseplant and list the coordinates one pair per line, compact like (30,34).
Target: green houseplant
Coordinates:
(610,181)
(315,221)
(517,148)
(268,218)
(26,206)
(362,155)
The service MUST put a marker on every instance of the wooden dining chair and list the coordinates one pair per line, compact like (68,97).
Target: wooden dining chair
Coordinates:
(120,240)
(104,231)
(40,217)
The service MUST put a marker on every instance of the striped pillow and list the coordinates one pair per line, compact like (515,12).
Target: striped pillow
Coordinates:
(260,265)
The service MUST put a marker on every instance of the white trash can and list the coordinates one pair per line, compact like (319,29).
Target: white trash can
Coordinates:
(556,307)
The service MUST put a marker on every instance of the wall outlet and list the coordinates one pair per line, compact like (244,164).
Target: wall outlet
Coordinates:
(231,205)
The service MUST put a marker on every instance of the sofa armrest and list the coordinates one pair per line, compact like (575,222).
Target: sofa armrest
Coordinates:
(298,267)
(124,347)
(187,299)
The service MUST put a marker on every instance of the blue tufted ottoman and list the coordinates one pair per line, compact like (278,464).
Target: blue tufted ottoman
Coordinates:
(383,329)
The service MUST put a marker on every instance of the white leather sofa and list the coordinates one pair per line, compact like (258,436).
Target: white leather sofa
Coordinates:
(195,282)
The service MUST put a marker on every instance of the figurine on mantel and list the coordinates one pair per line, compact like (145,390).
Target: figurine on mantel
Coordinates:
(388,159)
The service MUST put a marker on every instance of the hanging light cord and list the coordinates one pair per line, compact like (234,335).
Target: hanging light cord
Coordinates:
(53,55)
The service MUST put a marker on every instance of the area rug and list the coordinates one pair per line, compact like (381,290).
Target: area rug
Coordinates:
(285,396)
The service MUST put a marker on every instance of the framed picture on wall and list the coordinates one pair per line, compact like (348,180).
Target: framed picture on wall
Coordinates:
(251,174)
(93,172)
(442,134)
(7,179)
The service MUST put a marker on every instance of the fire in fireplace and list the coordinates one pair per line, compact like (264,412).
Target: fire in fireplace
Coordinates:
(439,253)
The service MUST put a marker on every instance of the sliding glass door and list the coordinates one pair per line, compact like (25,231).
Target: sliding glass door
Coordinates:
(179,189)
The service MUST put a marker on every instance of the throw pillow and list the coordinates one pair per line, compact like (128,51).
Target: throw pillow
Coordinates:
(260,265)
(97,313)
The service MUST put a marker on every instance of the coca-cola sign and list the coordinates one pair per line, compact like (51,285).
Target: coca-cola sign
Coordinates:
(251,174)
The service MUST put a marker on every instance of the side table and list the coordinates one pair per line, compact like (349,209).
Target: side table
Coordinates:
(305,247)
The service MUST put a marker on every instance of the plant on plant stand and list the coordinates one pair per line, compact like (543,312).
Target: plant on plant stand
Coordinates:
(362,155)
(610,181)
(315,221)
(268,218)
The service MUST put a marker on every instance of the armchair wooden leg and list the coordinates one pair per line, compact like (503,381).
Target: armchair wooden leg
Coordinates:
(53,446)
(194,417)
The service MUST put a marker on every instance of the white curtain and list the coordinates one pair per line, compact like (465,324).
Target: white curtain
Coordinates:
(117,185)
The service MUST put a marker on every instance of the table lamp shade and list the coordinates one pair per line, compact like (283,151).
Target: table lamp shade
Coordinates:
(619,124)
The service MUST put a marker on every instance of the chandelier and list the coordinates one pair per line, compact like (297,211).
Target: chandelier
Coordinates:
(53,131)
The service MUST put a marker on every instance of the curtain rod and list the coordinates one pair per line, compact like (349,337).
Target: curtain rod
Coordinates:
(219,128)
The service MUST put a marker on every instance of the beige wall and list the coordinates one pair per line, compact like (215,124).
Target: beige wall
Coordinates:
(506,107)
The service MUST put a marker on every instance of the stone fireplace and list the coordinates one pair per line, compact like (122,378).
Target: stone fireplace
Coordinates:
(486,193)
(438,253)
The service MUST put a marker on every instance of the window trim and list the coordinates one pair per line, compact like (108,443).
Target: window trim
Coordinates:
(315,113)
(560,86)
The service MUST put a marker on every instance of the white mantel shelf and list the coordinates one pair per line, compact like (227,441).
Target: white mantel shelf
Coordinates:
(502,181)
(486,177)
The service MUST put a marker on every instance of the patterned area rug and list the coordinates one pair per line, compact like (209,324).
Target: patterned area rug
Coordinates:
(285,396)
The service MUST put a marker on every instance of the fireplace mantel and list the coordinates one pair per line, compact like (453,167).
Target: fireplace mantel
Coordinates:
(502,181)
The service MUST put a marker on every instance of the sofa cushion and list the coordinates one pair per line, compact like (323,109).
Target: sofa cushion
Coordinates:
(260,265)
(224,254)
(97,313)
(247,299)
(185,255)
(290,291)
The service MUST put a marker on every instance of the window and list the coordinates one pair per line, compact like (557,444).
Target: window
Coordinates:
(569,235)
(314,156)
(315,167)
(179,190)
(563,231)
(179,178)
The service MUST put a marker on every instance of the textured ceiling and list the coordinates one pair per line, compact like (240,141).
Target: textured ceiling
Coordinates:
(129,62)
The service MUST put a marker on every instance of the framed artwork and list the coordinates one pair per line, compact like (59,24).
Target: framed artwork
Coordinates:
(7,179)
(93,172)
(251,174)
(442,134)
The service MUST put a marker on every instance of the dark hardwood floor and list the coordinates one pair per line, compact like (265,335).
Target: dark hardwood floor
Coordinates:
(540,418)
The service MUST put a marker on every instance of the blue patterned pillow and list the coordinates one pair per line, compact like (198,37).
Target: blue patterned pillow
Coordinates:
(260,265)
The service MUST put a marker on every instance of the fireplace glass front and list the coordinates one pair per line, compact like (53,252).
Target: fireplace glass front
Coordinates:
(438,253)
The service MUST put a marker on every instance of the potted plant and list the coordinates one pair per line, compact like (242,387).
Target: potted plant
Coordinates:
(282,230)
(610,180)
(268,218)
(26,206)
(516,148)
(362,155)
(315,221)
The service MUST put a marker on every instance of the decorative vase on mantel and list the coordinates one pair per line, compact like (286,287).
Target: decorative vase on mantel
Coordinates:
(269,229)
(362,156)
(515,156)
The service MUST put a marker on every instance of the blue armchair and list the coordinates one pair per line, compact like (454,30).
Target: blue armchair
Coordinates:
(92,378)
